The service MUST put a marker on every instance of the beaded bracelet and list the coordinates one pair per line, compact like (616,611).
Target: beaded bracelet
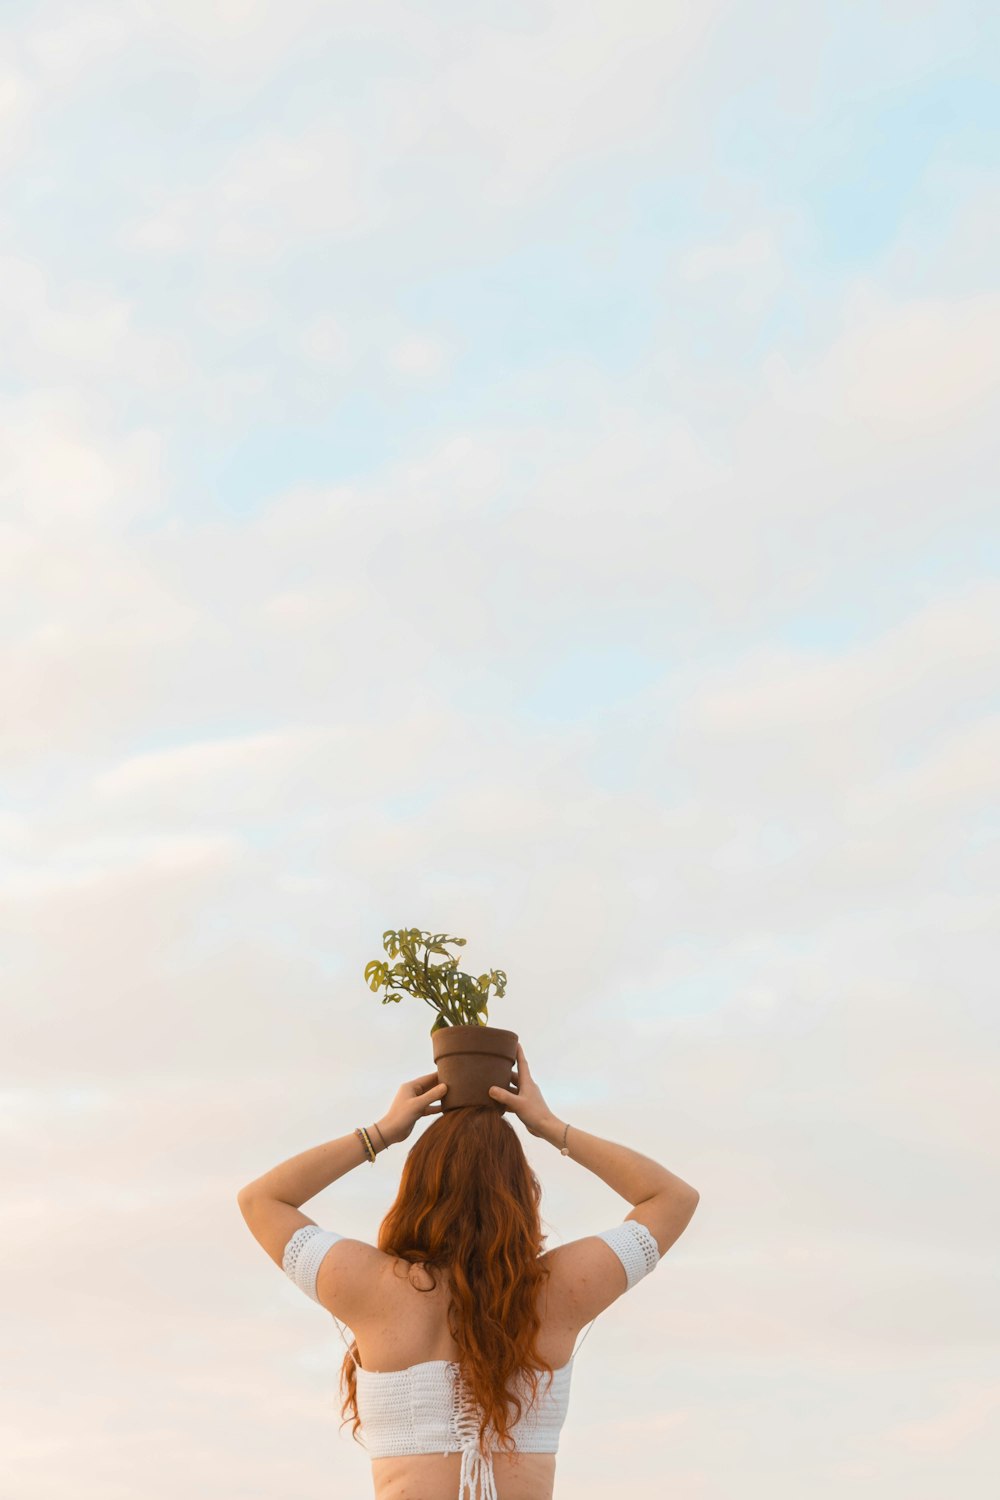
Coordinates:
(366,1141)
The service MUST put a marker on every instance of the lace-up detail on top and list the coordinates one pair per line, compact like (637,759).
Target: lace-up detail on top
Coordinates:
(477,1476)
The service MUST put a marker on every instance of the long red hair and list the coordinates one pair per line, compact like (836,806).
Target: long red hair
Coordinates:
(469,1201)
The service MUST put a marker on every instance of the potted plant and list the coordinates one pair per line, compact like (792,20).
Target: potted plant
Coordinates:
(470,1055)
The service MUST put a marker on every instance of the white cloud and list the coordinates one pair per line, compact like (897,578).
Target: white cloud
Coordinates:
(274,191)
(57,333)
(418,357)
(948,1430)
(210,763)
(327,340)
(62,42)
(940,657)
(917,366)
(584,81)
(751,249)
(61,476)
(15,101)
(96,865)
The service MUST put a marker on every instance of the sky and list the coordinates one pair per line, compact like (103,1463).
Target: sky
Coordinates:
(528,472)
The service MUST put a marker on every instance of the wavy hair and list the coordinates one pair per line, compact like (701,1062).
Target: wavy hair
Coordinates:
(469,1201)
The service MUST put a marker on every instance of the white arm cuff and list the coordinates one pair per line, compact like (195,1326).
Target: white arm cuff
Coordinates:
(303,1254)
(635,1246)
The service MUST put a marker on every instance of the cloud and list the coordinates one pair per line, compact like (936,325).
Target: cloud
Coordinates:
(916,366)
(272,190)
(419,357)
(748,251)
(947,1431)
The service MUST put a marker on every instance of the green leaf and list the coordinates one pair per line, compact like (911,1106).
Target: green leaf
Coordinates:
(458,998)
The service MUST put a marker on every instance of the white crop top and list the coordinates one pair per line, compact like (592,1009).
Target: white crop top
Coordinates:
(426,1408)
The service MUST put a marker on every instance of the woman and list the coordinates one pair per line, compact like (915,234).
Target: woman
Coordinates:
(459,1373)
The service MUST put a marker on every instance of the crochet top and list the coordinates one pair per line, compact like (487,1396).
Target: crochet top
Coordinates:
(427,1408)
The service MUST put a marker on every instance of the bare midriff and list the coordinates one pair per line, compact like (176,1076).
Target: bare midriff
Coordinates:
(435,1476)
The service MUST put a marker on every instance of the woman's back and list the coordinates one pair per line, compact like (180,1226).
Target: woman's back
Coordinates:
(421,1432)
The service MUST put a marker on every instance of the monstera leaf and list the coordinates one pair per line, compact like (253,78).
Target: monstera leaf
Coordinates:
(460,999)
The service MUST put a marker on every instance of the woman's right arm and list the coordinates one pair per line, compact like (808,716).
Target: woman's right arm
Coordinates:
(635,1176)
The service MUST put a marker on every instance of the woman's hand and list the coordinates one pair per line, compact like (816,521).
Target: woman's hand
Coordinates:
(527,1103)
(412,1100)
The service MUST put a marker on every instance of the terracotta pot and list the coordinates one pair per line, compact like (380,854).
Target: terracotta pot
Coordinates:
(470,1060)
